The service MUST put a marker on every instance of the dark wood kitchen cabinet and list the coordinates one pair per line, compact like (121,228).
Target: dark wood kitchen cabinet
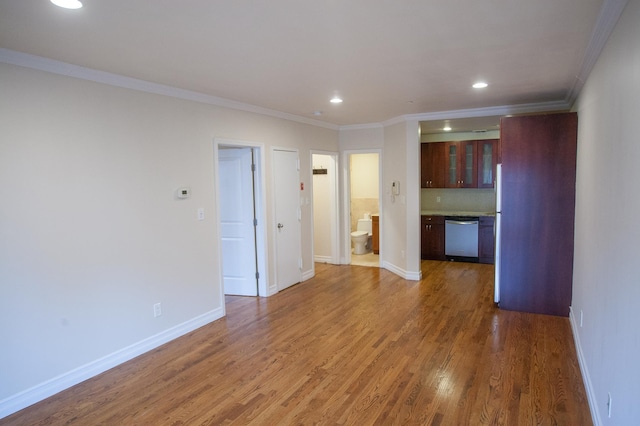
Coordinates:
(486,239)
(432,234)
(487,160)
(432,165)
(538,209)
(461,164)
(375,231)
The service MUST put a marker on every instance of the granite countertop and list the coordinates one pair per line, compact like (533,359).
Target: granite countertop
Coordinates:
(454,213)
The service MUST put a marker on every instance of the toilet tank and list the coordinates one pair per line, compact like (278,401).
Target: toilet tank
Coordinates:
(364,225)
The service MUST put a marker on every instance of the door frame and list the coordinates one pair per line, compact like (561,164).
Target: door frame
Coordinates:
(335,211)
(260,202)
(346,170)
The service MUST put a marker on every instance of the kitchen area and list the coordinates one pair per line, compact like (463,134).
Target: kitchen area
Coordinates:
(458,197)
(501,190)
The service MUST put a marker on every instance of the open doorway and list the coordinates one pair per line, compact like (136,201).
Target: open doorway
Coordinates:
(324,188)
(239,175)
(362,193)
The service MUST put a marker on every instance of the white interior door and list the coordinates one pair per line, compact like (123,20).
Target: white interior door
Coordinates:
(287,218)
(237,221)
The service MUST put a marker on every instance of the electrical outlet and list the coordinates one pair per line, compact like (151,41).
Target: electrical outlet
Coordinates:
(437,199)
(609,404)
(201,213)
(157,310)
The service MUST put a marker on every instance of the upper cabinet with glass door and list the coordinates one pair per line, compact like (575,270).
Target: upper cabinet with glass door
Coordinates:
(487,159)
(462,167)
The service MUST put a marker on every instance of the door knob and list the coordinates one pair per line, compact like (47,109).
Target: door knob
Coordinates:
(280,226)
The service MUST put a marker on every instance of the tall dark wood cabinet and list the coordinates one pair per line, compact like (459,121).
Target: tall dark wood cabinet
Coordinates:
(538,210)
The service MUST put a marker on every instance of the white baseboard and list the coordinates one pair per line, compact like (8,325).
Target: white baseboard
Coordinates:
(407,275)
(586,378)
(64,381)
(323,259)
(307,275)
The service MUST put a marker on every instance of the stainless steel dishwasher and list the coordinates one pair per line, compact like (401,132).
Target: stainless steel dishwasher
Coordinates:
(461,238)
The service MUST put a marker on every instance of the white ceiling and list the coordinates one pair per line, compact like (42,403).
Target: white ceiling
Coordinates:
(386,58)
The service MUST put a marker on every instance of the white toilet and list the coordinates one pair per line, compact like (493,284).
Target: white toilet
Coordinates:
(361,237)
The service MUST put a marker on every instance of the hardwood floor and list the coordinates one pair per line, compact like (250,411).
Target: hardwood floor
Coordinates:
(355,346)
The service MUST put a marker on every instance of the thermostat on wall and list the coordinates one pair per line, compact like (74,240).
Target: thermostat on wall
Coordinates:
(183,192)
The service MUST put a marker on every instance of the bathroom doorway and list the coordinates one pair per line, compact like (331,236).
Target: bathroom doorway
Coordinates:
(364,208)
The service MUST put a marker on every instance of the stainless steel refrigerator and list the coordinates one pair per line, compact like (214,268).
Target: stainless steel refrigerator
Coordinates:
(498,189)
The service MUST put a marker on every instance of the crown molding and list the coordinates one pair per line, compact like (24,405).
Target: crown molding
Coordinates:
(362,126)
(605,23)
(62,68)
(490,111)
(469,113)
(395,120)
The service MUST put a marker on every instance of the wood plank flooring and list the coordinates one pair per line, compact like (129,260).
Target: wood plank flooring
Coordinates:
(352,346)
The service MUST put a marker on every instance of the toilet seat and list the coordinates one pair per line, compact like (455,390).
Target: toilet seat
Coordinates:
(359,233)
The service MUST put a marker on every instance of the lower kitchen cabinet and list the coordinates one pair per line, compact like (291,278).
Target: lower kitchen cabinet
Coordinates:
(432,237)
(486,239)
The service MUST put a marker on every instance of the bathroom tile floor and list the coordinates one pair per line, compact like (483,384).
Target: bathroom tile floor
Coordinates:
(367,259)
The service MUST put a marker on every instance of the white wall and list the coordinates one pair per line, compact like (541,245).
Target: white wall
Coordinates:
(91,235)
(394,207)
(606,286)
(362,138)
(412,189)
(364,182)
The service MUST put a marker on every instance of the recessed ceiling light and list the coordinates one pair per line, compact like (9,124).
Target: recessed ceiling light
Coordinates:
(446,128)
(317,113)
(336,100)
(480,85)
(68,4)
